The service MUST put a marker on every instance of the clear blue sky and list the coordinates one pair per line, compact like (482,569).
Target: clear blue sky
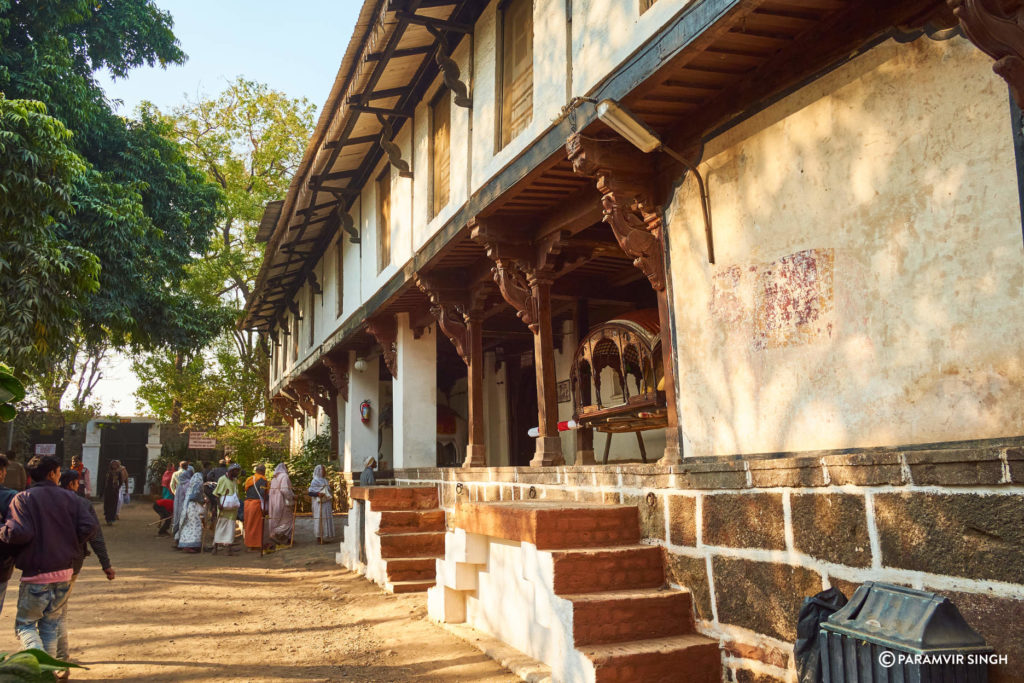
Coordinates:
(293,47)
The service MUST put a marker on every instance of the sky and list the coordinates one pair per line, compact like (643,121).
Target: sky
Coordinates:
(294,47)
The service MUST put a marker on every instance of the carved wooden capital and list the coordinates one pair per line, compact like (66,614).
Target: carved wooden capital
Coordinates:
(624,180)
(287,408)
(384,330)
(302,391)
(997,29)
(513,279)
(337,373)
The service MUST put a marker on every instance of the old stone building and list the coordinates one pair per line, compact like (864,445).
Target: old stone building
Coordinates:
(764,259)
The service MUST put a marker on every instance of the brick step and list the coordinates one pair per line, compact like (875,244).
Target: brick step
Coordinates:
(691,658)
(412,520)
(552,525)
(408,586)
(383,498)
(622,616)
(418,544)
(607,569)
(411,568)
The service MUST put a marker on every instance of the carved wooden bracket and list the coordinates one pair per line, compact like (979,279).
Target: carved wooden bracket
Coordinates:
(337,372)
(453,308)
(997,29)
(384,330)
(629,208)
(521,267)
(302,391)
(287,408)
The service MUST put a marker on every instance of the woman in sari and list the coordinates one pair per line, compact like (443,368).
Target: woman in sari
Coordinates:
(165,482)
(282,506)
(227,509)
(323,511)
(112,492)
(255,502)
(190,537)
(180,500)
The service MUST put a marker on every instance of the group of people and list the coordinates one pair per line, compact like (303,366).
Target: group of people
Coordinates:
(47,531)
(195,501)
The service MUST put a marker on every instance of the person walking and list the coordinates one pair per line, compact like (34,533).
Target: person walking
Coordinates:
(51,524)
(84,476)
(227,504)
(323,510)
(70,481)
(112,491)
(6,554)
(176,477)
(190,532)
(180,501)
(282,506)
(165,482)
(255,505)
(217,472)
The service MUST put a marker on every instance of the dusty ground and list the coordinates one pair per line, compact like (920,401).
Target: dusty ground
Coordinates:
(292,616)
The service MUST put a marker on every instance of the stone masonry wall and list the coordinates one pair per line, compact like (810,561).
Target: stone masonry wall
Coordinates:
(751,538)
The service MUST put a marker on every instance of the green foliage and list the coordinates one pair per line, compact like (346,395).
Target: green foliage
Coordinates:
(115,213)
(32,666)
(316,451)
(11,391)
(253,444)
(43,277)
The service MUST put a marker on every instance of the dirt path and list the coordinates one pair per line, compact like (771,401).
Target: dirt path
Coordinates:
(292,616)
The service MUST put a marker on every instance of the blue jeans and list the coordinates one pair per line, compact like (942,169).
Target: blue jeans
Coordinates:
(40,613)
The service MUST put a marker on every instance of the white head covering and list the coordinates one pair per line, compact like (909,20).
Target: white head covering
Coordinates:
(369,460)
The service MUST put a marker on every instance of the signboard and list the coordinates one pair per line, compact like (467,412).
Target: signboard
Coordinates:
(46,449)
(199,441)
(125,420)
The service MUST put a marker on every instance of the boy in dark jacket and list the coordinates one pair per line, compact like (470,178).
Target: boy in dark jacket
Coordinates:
(51,524)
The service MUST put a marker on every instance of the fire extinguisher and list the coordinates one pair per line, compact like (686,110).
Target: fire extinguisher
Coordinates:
(364,411)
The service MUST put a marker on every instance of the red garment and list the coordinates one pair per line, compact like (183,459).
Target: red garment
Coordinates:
(165,481)
(166,504)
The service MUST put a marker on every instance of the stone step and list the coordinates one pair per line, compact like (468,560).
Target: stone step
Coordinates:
(408,586)
(622,616)
(411,568)
(552,525)
(607,569)
(418,544)
(400,521)
(383,498)
(691,658)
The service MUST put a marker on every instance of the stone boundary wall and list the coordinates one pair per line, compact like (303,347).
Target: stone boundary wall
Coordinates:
(751,538)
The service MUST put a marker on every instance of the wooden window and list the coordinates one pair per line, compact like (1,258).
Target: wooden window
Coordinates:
(312,316)
(516,68)
(646,5)
(440,139)
(295,338)
(384,219)
(339,276)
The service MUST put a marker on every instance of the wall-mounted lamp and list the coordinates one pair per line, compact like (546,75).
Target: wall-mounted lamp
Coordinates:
(359,365)
(639,134)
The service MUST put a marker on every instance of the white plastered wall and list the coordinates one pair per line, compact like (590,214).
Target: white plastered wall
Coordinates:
(483,581)
(870,270)
(348,556)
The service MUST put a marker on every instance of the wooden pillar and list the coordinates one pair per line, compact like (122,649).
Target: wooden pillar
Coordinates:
(549,444)
(476,451)
(626,182)
(524,271)
(584,435)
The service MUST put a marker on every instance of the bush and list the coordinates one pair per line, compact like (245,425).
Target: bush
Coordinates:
(253,444)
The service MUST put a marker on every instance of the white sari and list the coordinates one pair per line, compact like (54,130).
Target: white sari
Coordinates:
(323,510)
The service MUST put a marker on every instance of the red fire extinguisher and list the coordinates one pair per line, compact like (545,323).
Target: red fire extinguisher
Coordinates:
(364,411)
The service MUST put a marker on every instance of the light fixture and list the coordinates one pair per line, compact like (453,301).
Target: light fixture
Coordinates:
(359,365)
(640,135)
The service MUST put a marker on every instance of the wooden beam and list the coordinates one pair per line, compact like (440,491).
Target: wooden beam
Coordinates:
(381,111)
(357,140)
(377,95)
(433,22)
(404,52)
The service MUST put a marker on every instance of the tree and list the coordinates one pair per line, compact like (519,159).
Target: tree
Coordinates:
(249,141)
(134,206)
(43,277)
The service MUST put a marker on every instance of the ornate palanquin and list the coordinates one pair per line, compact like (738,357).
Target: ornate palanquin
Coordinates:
(617,376)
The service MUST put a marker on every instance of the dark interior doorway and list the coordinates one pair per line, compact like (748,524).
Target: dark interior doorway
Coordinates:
(522,407)
(125,442)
